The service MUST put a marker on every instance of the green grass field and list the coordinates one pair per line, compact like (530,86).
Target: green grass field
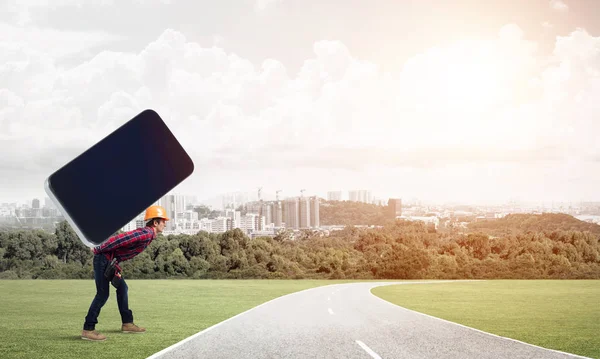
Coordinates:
(44,318)
(560,315)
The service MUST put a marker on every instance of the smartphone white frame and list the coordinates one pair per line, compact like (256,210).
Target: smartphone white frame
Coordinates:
(50,194)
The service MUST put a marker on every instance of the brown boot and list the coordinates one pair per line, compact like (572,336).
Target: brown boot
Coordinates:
(92,335)
(131,328)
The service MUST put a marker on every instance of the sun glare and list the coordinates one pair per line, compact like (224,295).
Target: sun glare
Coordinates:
(466,77)
(471,77)
(465,84)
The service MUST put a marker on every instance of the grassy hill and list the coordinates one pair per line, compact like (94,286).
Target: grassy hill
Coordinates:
(547,222)
(352,213)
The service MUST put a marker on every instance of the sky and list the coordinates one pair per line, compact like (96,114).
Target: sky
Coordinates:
(463,101)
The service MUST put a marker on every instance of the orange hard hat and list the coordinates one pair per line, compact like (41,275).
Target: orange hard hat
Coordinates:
(156,212)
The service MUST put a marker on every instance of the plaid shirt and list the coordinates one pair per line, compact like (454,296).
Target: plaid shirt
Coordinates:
(127,245)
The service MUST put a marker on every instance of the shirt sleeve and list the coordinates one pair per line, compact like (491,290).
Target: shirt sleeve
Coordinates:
(114,242)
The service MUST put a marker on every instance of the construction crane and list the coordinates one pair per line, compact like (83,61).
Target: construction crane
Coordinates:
(259,190)
(277,194)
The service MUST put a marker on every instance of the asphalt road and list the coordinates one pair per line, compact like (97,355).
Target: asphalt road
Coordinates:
(345,321)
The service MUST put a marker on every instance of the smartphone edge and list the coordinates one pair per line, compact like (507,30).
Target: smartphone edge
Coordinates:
(50,194)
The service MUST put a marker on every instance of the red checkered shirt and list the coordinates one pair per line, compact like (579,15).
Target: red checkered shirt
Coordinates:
(127,245)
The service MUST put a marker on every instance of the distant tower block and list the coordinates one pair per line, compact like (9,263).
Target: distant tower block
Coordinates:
(395,207)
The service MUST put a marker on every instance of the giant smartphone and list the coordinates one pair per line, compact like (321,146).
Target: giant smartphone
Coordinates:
(115,180)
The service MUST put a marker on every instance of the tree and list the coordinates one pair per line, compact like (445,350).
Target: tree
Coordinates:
(478,245)
(203,211)
(69,246)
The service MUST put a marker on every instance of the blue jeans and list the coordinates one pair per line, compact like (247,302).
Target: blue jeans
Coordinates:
(102,293)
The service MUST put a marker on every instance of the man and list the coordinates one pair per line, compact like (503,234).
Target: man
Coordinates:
(123,247)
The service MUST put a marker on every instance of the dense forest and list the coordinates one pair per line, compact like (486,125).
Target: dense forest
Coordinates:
(518,246)
(352,213)
(515,223)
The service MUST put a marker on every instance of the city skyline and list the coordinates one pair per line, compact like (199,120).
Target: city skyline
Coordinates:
(216,199)
(260,216)
(271,197)
(454,107)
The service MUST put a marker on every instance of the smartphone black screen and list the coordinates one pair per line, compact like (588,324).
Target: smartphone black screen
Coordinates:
(115,180)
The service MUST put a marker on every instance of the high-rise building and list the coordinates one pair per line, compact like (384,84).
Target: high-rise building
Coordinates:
(267,212)
(175,206)
(292,212)
(278,214)
(252,222)
(334,195)
(219,225)
(253,207)
(367,197)
(180,201)
(395,207)
(35,204)
(237,219)
(363,196)
(260,223)
(314,212)
(304,212)
(235,216)
(299,212)
(168,203)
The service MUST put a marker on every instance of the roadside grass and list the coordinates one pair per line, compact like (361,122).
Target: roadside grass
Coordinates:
(44,318)
(562,315)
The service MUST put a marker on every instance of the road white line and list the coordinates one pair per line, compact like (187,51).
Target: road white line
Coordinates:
(330,311)
(168,349)
(368,350)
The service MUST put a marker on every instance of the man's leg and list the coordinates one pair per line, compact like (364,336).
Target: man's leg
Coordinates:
(126,313)
(102,294)
(123,302)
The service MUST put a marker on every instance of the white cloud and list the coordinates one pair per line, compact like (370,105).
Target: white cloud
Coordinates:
(476,106)
(558,5)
